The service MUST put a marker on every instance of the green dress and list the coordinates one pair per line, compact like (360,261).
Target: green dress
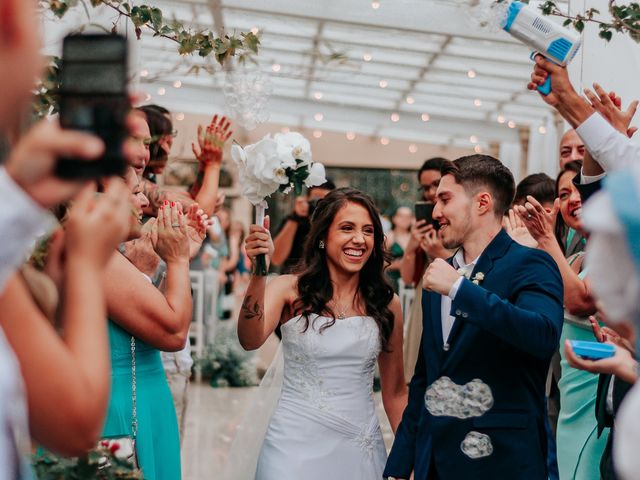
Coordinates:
(157,442)
(396,252)
(578,446)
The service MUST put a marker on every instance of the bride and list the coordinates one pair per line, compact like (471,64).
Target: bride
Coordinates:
(338,315)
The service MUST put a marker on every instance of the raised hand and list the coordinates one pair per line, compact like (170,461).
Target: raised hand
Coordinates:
(211,141)
(560,84)
(97,224)
(197,224)
(609,105)
(259,241)
(517,230)
(537,220)
(32,162)
(173,241)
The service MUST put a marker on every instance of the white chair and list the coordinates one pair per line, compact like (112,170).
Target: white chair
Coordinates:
(212,290)
(196,331)
(406,295)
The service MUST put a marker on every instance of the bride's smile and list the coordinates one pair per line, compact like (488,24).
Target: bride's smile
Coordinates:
(350,238)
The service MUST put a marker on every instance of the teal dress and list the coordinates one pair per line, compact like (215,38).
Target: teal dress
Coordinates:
(157,442)
(396,252)
(578,446)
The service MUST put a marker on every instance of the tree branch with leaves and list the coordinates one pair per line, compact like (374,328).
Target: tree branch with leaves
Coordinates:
(624,19)
(146,17)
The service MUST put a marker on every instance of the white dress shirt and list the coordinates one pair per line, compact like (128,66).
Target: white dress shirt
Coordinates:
(610,148)
(445,303)
(21,221)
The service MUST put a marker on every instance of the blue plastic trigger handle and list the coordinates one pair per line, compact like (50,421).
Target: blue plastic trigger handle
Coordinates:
(545,88)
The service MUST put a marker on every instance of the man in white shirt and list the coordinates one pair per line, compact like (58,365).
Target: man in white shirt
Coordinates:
(615,277)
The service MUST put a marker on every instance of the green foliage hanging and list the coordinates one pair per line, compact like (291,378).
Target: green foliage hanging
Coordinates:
(150,18)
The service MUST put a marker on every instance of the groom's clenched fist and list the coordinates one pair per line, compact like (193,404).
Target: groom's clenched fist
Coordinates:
(440,277)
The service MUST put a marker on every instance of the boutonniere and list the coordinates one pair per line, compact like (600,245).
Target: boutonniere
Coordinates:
(478,278)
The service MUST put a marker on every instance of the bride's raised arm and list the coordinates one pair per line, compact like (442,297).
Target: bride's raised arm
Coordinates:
(257,319)
(394,388)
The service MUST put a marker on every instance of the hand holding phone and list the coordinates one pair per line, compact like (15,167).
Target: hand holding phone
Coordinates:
(94,99)
(424,211)
(592,350)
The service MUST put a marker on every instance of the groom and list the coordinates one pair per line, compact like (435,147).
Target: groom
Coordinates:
(492,317)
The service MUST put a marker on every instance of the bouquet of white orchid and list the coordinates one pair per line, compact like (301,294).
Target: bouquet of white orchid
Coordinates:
(281,163)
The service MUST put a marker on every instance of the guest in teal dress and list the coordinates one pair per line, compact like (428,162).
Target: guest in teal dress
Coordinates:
(397,241)
(578,448)
(140,314)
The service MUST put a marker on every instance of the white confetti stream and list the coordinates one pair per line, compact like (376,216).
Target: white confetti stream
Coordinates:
(246,93)
(444,398)
(476,445)
(487,15)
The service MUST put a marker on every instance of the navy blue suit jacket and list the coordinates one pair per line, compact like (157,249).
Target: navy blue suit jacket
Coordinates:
(506,330)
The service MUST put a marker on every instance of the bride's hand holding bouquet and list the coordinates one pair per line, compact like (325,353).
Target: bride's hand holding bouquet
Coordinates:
(281,163)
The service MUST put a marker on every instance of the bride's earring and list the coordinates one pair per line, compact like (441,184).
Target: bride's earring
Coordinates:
(321,245)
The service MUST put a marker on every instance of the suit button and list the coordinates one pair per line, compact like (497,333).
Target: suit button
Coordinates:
(458,312)
(445,347)
(465,315)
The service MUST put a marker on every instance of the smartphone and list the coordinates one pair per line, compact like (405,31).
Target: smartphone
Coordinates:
(592,350)
(424,211)
(94,99)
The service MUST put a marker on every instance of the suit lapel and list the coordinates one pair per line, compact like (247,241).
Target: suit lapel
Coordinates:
(496,249)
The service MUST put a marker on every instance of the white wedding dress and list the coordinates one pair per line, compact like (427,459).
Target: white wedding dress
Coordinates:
(325,424)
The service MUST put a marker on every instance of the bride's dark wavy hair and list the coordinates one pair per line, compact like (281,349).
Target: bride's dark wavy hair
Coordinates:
(314,283)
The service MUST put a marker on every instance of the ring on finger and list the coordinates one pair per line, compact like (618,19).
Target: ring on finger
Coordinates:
(175,225)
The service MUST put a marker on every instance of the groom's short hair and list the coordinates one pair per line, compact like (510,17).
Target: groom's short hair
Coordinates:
(477,171)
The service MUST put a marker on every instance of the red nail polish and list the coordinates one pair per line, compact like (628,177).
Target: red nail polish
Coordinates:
(173,204)
(166,202)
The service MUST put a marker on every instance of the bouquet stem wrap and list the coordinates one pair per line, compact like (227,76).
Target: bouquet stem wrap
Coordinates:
(260,268)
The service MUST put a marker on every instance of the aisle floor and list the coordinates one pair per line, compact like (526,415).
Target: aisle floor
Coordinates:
(212,416)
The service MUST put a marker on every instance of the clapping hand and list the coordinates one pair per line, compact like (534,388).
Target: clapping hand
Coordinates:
(211,141)
(197,224)
(173,242)
(259,241)
(517,230)
(440,277)
(537,220)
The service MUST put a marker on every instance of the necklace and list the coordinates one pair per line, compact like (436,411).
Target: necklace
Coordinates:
(341,312)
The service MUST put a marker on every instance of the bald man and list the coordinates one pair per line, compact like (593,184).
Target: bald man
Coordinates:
(571,148)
